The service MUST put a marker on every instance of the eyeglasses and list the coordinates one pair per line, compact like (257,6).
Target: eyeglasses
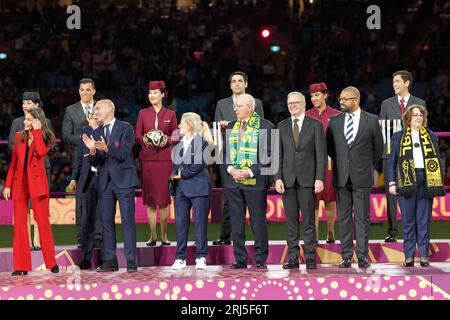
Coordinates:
(295,103)
(240,105)
(419,115)
(345,99)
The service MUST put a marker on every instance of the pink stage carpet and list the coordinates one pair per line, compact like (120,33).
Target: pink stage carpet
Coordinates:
(385,279)
(379,282)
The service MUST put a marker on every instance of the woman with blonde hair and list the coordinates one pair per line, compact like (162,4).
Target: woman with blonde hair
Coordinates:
(416,177)
(193,190)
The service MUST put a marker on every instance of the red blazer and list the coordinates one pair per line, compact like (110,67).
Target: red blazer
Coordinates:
(37,177)
(167,123)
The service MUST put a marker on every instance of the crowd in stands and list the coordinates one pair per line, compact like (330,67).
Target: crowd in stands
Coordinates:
(195,50)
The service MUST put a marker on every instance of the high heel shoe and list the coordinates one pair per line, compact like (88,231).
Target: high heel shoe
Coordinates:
(55,269)
(19,273)
(151,243)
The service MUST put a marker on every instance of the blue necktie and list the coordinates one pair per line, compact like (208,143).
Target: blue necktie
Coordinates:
(107,133)
(349,130)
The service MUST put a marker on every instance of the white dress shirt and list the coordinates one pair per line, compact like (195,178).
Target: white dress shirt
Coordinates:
(417,152)
(406,99)
(110,127)
(356,118)
(89,107)
(299,123)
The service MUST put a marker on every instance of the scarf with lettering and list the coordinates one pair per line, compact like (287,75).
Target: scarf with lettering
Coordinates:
(243,154)
(406,174)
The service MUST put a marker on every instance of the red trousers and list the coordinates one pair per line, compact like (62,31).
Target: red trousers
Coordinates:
(21,243)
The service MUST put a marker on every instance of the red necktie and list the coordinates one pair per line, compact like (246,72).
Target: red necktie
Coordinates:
(402,106)
(241,132)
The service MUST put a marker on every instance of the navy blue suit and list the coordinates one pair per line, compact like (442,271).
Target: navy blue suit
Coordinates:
(87,188)
(192,191)
(117,180)
(416,209)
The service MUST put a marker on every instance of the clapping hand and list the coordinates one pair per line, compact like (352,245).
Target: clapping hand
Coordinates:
(89,142)
(101,145)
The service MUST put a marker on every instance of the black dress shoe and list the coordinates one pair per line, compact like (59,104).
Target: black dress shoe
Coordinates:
(261,266)
(331,241)
(239,266)
(311,264)
(108,266)
(35,248)
(291,265)
(165,243)
(424,263)
(221,242)
(151,243)
(54,269)
(131,266)
(390,238)
(85,265)
(346,263)
(408,263)
(363,263)
(19,273)
(79,246)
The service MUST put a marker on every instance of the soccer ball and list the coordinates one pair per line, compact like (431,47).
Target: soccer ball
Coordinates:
(155,138)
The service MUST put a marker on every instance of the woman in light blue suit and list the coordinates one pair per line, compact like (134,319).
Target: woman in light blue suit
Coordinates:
(193,188)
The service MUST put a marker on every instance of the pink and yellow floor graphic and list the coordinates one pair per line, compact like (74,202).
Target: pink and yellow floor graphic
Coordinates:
(386,278)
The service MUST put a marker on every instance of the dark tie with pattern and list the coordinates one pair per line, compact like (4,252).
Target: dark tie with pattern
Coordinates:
(107,133)
(402,106)
(349,129)
(296,132)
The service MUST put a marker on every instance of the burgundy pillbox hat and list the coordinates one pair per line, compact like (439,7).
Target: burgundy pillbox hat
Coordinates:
(315,87)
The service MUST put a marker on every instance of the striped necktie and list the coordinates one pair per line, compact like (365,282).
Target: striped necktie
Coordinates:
(349,130)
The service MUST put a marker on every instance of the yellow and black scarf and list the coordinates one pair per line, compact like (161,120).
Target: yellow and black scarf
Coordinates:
(406,174)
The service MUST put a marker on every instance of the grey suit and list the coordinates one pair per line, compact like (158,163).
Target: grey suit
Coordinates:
(353,178)
(299,168)
(390,110)
(74,120)
(225,111)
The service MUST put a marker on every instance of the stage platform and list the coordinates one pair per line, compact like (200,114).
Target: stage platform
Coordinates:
(379,252)
(385,279)
(379,282)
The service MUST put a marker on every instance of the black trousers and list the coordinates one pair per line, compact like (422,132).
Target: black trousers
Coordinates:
(357,200)
(225,233)
(295,199)
(91,215)
(391,201)
(256,201)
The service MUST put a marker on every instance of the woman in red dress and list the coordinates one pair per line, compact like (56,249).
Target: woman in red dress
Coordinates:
(323,113)
(156,163)
(27,179)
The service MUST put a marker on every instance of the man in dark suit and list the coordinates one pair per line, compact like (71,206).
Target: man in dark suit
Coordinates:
(74,120)
(225,114)
(246,180)
(393,109)
(355,144)
(84,177)
(30,99)
(303,158)
(110,151)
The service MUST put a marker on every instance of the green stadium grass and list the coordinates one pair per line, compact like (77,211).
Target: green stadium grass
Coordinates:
(65,234)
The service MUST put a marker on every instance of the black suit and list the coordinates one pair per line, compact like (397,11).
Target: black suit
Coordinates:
(390,110)
(74,120)
(299,168)
(225,111)
(353,178)
(91,223)
(255,197)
